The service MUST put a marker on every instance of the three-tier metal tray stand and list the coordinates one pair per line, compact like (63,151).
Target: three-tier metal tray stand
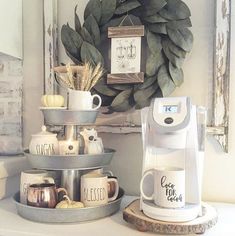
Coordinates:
(72,168)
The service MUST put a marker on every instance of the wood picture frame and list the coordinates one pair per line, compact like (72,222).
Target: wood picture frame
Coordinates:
(219,124)
(126,55)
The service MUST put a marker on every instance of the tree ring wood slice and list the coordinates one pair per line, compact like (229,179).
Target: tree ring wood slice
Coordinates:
(133,215)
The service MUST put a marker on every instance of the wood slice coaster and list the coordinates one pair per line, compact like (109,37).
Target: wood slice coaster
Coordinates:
(133,215)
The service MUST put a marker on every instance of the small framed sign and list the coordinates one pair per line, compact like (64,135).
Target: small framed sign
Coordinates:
(126,55)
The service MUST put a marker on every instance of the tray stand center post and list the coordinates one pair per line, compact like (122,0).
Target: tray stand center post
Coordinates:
(70,180)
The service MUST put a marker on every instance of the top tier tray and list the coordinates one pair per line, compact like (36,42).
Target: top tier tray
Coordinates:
(55,116)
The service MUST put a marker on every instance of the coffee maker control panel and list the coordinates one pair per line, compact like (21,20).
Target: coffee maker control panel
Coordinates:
(172,112)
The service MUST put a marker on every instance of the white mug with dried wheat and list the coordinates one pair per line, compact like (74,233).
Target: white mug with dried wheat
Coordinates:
(79,80)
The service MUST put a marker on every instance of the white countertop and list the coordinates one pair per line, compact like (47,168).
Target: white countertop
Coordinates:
(13,225)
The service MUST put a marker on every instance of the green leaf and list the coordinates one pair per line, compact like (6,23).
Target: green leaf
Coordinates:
(86,36)
(121,102)
(159,28)
(154,42)
(154,5)
(105,90)
(183,38)
(177,61)
(146,102)
(127,6)
(165,83)
(77,22)
(108,8)
(120,87)
(90,54)
(143,104)
(71,40)
(154,61)
(178,24)
(176,74)
(155,19)
(148,82)
(158,94)
(91,25)
(175,10)
(112,23)
(76,60)
(144,94)
(175,49)
(93,7)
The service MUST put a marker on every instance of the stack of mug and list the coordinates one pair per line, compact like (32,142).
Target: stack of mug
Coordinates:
(38,189)
(165,186)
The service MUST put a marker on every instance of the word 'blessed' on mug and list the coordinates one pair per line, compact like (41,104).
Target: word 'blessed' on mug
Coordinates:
(168,189)
(95,189)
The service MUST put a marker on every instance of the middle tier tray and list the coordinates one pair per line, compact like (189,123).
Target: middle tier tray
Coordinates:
(79,162)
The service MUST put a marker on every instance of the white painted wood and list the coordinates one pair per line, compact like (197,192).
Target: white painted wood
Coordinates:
(11,28)
(126,123)
(221,82)
(11,109)
(118,129)
(50,44)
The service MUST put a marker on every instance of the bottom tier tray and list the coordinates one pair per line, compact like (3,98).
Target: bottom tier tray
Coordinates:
(46,215)
(81,162)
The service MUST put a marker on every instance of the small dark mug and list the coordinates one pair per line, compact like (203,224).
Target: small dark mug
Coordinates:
(44,195)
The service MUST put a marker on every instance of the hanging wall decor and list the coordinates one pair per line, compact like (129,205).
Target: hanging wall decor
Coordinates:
(166,42)
(125,55)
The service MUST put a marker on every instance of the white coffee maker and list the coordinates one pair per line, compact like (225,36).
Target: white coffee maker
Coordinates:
(173,132)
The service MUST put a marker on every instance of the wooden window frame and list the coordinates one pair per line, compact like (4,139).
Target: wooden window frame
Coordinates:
(219,124)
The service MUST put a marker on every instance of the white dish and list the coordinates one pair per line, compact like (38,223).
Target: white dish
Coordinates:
(187,213)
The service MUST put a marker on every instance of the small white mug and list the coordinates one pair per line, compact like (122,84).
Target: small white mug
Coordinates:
(95,189)
(168,190)
(83,100)
(29,177)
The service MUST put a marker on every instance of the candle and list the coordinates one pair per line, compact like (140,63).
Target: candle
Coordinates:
(68,147)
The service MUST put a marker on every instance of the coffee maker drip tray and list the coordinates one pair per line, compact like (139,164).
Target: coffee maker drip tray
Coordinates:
(187,213)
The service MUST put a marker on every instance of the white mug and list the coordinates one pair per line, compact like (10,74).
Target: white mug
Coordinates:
(29,177)
(83,100)
(95,189)
(168,188)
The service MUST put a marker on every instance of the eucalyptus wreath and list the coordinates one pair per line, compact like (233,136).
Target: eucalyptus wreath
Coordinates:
(167,41)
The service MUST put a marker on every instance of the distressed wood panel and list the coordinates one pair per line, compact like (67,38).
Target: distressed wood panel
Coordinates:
(50,45)
(11,107)
(220,110)
(126,31)
(220,117)
(130,78)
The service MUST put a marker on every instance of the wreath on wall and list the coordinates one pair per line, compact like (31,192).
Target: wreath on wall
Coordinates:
(167,41)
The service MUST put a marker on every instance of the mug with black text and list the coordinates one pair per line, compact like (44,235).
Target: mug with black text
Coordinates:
(95,189)
(168,190)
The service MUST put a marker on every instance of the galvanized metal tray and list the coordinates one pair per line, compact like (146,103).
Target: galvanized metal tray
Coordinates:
(79,162)
(46,215)
(69,117)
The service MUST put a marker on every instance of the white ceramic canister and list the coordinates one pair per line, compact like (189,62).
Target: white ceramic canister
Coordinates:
(44,143)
